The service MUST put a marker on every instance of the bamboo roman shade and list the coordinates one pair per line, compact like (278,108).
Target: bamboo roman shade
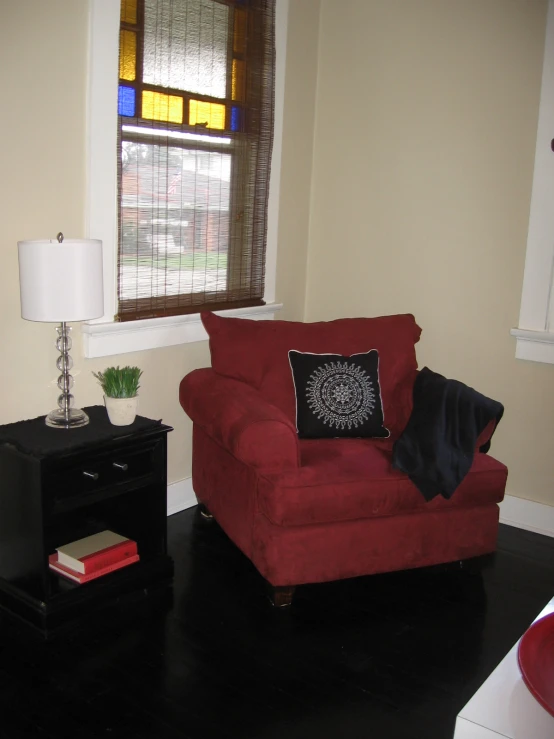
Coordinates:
(195,111)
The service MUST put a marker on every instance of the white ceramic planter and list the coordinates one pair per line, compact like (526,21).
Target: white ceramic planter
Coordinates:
(121,411)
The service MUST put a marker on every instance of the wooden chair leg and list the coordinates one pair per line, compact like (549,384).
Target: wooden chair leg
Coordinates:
(205,512)
(281,597)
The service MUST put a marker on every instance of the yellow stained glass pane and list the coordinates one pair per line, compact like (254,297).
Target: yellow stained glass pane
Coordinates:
(160,107)
(127,55)
(128,11)
(238,79)
(239,32)
(210,114)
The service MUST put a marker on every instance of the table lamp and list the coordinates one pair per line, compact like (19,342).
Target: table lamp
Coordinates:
(61,281)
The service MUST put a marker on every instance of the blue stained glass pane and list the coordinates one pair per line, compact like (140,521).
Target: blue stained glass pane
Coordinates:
(126,100)
(235,118)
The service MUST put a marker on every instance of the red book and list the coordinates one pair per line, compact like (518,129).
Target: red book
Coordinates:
(55,566)
(96,552)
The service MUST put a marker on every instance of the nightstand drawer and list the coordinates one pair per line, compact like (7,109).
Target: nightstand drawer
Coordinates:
(94,472)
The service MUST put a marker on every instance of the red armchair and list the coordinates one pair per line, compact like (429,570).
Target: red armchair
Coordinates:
(315,510)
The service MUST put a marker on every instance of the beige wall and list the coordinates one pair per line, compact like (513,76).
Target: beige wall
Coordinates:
(419,181)
(426,119)
(43,71)
(296,170)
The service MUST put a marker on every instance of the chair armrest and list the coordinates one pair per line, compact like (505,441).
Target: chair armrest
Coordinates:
(237,417)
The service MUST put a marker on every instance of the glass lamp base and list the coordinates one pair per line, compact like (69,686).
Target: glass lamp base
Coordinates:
(70,419)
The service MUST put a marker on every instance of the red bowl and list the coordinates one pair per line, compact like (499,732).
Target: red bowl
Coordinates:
(535,656)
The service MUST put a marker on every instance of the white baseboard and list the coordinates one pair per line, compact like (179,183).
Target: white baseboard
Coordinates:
(528,515)
(518,512)
(180,495)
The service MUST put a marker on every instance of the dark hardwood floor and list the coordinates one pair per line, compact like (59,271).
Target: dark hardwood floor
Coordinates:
(390,656)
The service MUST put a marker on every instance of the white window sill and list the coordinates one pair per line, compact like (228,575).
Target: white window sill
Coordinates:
(105,339)
(536,346)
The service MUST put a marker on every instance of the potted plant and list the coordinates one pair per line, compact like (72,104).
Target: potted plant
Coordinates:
(120,388)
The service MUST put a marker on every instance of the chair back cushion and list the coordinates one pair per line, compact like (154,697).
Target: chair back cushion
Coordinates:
(256,352)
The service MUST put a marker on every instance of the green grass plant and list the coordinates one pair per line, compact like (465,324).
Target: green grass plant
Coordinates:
(179,262)
(119,383)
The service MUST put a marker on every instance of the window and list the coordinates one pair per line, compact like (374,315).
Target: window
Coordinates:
(195,105)
(104,336)
(535,333)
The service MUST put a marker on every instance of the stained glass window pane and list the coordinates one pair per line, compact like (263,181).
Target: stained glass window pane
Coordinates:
(200,63)
(160,107)
(127,55)
(239,34)
(235,118)
(128,11)
(211,114)
(237,82)
(126,100)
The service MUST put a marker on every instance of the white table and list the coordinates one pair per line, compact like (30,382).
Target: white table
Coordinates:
(503,705)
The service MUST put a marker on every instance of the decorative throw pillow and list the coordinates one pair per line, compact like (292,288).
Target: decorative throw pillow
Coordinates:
(337,396)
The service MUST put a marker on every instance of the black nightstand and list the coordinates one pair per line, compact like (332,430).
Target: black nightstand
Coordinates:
(59,485)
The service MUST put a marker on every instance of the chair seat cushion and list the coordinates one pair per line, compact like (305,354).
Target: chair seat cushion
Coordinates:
(350,479)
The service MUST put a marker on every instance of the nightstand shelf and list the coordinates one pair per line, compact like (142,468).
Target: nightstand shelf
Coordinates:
(57,486)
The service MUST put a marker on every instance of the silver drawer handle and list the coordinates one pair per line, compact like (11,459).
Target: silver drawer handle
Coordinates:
(92,475)
(121,466)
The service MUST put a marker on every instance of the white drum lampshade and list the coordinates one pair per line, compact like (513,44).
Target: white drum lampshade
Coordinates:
(61,281)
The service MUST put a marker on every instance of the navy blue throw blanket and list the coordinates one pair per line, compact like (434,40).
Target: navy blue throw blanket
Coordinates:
(436,448)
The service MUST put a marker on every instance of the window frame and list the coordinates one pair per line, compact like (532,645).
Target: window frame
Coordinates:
(535,331)
(104,336)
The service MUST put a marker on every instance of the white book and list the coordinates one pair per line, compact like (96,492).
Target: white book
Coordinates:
(75,553)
